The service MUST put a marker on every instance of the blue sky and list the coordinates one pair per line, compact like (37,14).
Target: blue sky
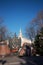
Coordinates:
(18,13)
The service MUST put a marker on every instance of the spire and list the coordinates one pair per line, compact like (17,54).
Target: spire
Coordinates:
(20,33)
(20,30)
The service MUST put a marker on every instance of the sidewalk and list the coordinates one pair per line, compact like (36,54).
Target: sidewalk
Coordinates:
(13,60)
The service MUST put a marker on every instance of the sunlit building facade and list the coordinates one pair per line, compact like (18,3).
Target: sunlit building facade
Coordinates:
(24,41)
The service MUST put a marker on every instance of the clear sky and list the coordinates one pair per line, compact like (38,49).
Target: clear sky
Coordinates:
(18,13)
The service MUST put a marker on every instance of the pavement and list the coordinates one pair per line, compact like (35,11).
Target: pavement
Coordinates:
(15,60)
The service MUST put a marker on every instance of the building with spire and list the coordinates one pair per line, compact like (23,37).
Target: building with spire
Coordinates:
(24,41)
(20,34)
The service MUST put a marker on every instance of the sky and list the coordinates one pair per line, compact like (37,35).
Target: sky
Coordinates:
(18,13)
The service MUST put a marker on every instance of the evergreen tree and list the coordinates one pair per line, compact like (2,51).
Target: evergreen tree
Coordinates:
(39,42)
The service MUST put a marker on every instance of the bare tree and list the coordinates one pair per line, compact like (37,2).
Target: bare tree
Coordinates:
(3,30)
(35,25)
(30,32)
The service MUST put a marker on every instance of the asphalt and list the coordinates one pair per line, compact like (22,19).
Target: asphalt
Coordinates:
(15,60)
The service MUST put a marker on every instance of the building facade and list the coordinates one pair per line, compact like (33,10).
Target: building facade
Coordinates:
(24,41)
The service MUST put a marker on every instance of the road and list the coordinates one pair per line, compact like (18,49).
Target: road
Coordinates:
(14,60)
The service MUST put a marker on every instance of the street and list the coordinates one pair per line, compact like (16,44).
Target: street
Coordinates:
(14,60)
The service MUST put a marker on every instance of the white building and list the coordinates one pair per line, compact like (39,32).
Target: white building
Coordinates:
(23,39)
